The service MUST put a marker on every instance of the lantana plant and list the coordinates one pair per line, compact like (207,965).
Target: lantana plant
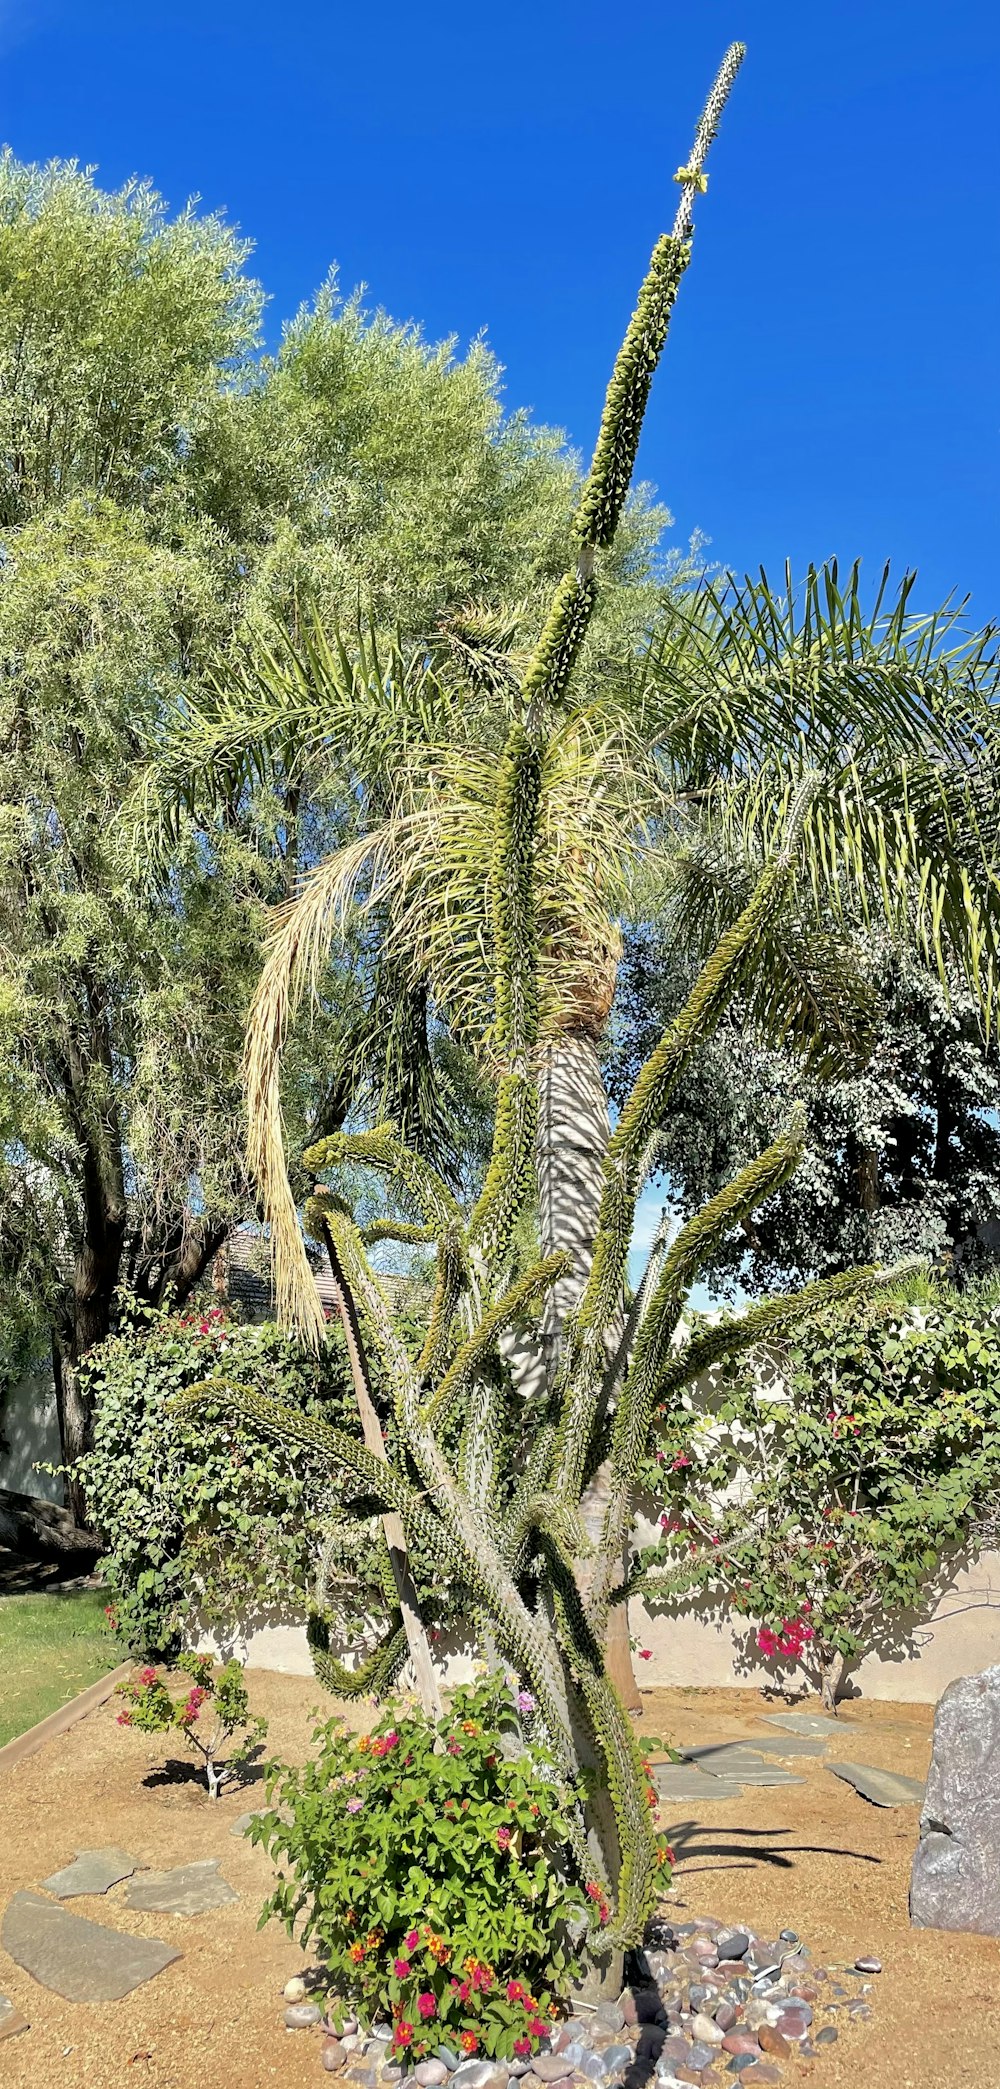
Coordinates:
(431,1864)
(228,1724)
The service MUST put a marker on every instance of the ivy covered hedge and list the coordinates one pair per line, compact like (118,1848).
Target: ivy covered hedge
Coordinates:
(197,1511)
(816,1488)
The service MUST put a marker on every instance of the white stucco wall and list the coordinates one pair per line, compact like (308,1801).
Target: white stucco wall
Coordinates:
(701,1650)
(958,1637)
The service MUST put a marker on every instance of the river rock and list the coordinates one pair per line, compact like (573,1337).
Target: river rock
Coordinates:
(333,2056)
(773,2041)
(615,2058)
(740,2042)
(610,2015)
(549,2067)
(732,1943)
(300,2016)
(431,2074)
(791,2027)
(705,2030)
(484,2074)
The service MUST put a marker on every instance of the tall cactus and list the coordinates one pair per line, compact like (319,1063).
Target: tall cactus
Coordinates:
(540,1584)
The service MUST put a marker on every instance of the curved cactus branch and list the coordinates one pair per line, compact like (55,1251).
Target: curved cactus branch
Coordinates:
(383,1149)
(520,1298)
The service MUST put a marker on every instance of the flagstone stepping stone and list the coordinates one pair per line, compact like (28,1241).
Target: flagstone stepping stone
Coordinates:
(243,1820)
(241,1825)
(790,1744)
(882,1787)
(687,1782)
(81,1960)
(804,1722)
(190,1889)
(92,1871)
(12,2023)
(734,1760)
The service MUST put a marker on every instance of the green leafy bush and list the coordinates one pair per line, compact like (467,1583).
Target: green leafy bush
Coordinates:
(230,1725)
(817,1491)
(428,1865)
(193,1518)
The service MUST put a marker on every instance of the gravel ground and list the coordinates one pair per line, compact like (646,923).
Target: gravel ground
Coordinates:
(812,1857)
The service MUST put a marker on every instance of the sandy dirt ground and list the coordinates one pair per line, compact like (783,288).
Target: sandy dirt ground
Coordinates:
(813,1857)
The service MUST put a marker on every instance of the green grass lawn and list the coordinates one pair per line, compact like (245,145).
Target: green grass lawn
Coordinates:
(51,1647)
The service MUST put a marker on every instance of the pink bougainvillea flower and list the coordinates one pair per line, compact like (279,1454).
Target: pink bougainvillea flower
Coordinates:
(427,2006)
(147,1675)
(645,1653)
(522,2046)
(412,1939)
(401,1968)
(504,1838)
(124,1719)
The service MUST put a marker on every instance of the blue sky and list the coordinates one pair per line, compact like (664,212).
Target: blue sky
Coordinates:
(831,382)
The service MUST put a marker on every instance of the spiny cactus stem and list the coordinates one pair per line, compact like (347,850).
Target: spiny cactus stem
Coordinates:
(425,1676)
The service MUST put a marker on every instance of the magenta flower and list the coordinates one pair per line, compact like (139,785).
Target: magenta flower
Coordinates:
(525,1702)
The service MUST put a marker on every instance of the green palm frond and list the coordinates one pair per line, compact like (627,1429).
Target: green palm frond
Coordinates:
(741,673)
(281,707)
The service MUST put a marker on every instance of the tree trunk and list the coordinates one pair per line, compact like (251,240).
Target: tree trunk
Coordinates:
(830,1679)
(573,1136)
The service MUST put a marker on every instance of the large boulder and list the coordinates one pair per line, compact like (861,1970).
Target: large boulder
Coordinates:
(955,1882)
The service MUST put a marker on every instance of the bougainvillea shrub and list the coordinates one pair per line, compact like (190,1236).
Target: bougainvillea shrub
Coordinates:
(815,1488)
(212,1713)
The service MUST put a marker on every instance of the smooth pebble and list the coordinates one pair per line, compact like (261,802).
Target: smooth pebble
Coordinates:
(300,2015)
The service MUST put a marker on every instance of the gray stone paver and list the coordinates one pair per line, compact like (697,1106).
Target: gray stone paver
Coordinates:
(804,1722)
(881,1787)
(92,1871)
(687,1783)
(189,1889)
(737,1761)
(81,1960)
(12,2023)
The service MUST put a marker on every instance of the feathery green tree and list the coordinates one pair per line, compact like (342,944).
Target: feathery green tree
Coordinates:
(161,484)
(544,1565)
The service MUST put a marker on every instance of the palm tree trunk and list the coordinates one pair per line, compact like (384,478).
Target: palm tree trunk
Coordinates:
(573,1134)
